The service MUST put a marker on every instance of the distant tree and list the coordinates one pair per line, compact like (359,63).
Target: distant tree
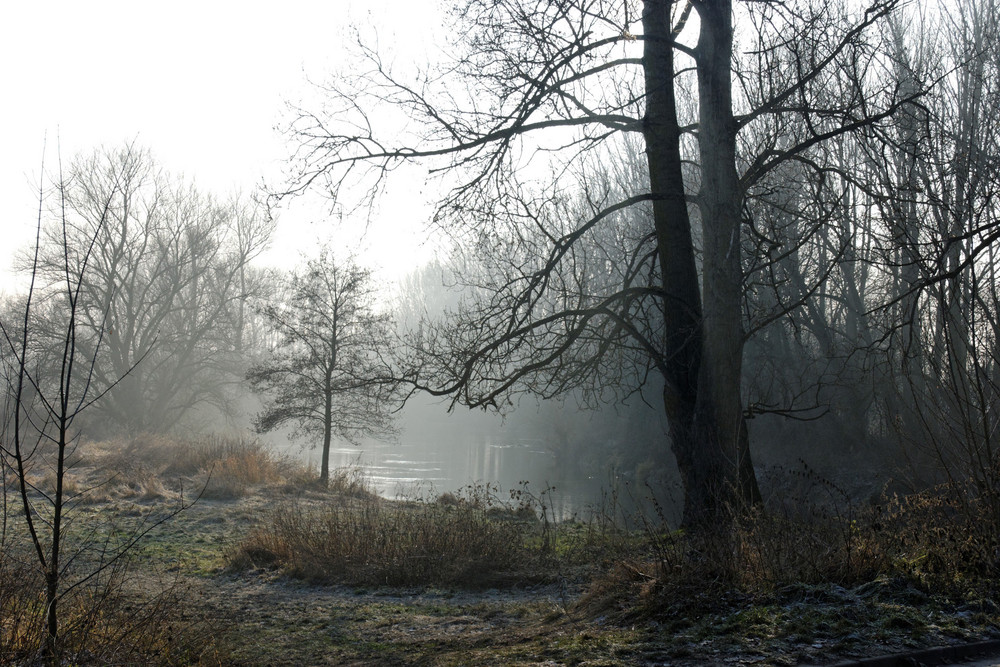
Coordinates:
(169,282)
(326,376)
(48,386)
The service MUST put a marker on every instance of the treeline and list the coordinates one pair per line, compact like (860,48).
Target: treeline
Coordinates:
(739,211)
(166,292)
(764,232)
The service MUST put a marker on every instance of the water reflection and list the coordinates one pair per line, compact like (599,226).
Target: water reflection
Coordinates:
(425,469)
(578,457)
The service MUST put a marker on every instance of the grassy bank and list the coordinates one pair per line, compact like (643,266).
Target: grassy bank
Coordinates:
(268,568)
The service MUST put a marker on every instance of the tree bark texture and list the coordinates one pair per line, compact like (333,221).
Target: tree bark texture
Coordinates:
(720,201)
(703,331)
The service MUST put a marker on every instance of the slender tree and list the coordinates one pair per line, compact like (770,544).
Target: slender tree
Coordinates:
(49,386)
(326,376)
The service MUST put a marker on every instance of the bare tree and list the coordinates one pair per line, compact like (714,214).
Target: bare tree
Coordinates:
(44,401)
(941,233)
(326,376)
(896,321)
(533,89)
(169,281)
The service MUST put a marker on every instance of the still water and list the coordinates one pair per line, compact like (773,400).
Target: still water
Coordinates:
(540,450)
(419,469)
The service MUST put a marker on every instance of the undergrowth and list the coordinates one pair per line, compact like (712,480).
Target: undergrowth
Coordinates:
(908,552)
(105,615)
(474,538)
(151,467)
(353,536)
(937,543)
(103,621)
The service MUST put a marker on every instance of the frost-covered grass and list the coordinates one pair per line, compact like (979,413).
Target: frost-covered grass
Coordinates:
(353,536)
(284,572)
(934,543)
(126,613)
(124,533)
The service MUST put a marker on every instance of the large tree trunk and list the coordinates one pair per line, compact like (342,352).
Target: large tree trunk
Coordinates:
(703,332)
(697,457)
(720,404)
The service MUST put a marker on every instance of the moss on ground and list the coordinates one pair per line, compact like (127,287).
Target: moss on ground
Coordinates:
(266,618)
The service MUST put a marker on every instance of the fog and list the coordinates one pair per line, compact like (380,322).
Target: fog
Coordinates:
(517,330)
(523,312)
(574,456)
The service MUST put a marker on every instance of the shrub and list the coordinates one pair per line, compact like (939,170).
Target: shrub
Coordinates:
(350,483)
(20,605)
(358,538)
(934,541)
(235,466)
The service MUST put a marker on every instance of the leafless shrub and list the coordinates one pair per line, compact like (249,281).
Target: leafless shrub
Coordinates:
(368,540)
(934,541)
(105,622)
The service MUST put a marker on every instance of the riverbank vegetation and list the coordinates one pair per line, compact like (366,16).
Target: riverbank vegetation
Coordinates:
(763,235)
(342,574)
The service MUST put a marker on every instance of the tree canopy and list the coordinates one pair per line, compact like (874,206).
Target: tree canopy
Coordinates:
(534,91)
(168,282)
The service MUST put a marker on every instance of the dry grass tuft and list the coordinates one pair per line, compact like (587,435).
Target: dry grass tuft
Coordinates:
(102,622)
(935,541)
(350,483)
(154,467)
(359,538)
(235,467)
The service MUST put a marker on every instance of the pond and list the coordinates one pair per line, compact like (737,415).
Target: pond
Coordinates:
(566,454)
(424,469)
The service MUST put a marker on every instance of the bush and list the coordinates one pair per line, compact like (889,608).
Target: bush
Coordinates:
(235,466)
(934,541)
(359,538)
(349,483)
(20,605)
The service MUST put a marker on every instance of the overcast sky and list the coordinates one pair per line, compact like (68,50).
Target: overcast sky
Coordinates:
(201,84)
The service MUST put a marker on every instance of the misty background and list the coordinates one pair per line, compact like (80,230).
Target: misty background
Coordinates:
(202,88)
(189,111)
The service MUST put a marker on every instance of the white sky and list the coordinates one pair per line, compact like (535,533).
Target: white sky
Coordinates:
(202,84)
